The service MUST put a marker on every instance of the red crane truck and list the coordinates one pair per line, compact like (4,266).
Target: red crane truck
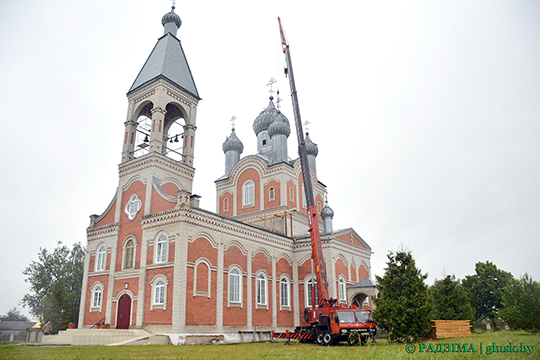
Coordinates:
(330,322)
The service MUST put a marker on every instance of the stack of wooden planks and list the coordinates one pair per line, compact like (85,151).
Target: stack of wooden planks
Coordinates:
(441,329)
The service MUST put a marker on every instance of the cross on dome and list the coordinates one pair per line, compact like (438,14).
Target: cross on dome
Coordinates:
(306,125)
(271,83)
(232,119)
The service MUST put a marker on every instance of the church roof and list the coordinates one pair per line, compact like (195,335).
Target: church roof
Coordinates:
(167,60)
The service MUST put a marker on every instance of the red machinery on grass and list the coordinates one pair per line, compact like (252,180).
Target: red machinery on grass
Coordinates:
(329,322)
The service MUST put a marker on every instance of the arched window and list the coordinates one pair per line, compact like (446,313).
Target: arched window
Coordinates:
(129,254)
(100,260)
(225,205)
(159,293)
(291,194)
(319,206)
(97,296)
(341,290)
(284,292)
(248,193)
(304,202)
(271,194)
(261,289)
(309,284)
(161,249)
(234,286)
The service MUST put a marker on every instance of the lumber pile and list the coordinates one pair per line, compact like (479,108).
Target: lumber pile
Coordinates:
(441,329)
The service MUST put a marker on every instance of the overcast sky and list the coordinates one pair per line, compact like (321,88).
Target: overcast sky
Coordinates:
(426,114)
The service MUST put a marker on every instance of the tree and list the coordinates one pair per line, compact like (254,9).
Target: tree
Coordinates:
(403,308)
(62,263)
(13,315)
(449,300)
(57,307)
(521,300)
(485,290)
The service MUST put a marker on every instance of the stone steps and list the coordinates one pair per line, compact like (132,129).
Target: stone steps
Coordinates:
(111,337)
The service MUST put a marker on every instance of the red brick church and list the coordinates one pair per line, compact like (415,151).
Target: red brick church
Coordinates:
(157,261)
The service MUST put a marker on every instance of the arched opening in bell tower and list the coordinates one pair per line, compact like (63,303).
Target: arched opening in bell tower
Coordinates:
(174,141)
(143,130)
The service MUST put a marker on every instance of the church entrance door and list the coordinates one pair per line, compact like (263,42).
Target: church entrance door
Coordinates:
(124,312)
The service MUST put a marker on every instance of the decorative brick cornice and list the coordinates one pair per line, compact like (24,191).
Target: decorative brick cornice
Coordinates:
(96,233)
(159,161)
(172,90)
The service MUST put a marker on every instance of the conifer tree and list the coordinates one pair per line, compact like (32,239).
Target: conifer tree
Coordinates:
(403,309)
(449,300)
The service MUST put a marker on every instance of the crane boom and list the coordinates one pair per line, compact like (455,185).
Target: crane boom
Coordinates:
(316,245)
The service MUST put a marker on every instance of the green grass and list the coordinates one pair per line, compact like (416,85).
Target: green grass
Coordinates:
(380,350)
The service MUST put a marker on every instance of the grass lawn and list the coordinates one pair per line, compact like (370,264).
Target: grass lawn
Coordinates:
(380,350)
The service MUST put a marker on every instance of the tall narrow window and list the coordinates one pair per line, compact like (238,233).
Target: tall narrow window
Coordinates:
(234,286)
(129,253)
(308,293)
(341,289)
(159,296)
(271,194)
(100,261)
(161,249)
(261,290)
(225,205)
(98,294)
(284,287)
(291,194)
(304,202)
(248,193)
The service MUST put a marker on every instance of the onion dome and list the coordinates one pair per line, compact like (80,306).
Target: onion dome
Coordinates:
(267,117)
(311,147)
(279,127)
(327,212)
(233,143)
(173,17)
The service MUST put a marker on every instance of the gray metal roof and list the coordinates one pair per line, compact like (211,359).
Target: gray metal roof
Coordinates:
(167,60)
(367,282)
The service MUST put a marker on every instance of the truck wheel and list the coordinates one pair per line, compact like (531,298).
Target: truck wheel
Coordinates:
(327,339)
(320,338)
(364,339)
(352,339)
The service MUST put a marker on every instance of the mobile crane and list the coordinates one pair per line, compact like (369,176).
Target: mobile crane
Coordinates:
(330,322)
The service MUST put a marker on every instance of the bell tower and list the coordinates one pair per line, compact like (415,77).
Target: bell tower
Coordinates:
(162,111)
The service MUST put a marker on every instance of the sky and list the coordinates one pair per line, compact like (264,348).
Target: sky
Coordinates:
(426,115)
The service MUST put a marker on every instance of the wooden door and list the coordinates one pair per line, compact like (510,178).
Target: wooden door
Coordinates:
(124,312)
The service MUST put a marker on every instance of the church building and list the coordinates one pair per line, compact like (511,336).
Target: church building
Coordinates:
(157,261)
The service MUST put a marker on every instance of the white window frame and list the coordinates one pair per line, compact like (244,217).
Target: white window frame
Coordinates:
(159,283)
(248,199)
(308,284)
(159,293)
(271,194)
(101,258)
(235,272)
(261,290)
(161,249)
(96,302)
(133,206)
(304,202)
(291,194)
(284,293)
(226,205)
(342,289)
